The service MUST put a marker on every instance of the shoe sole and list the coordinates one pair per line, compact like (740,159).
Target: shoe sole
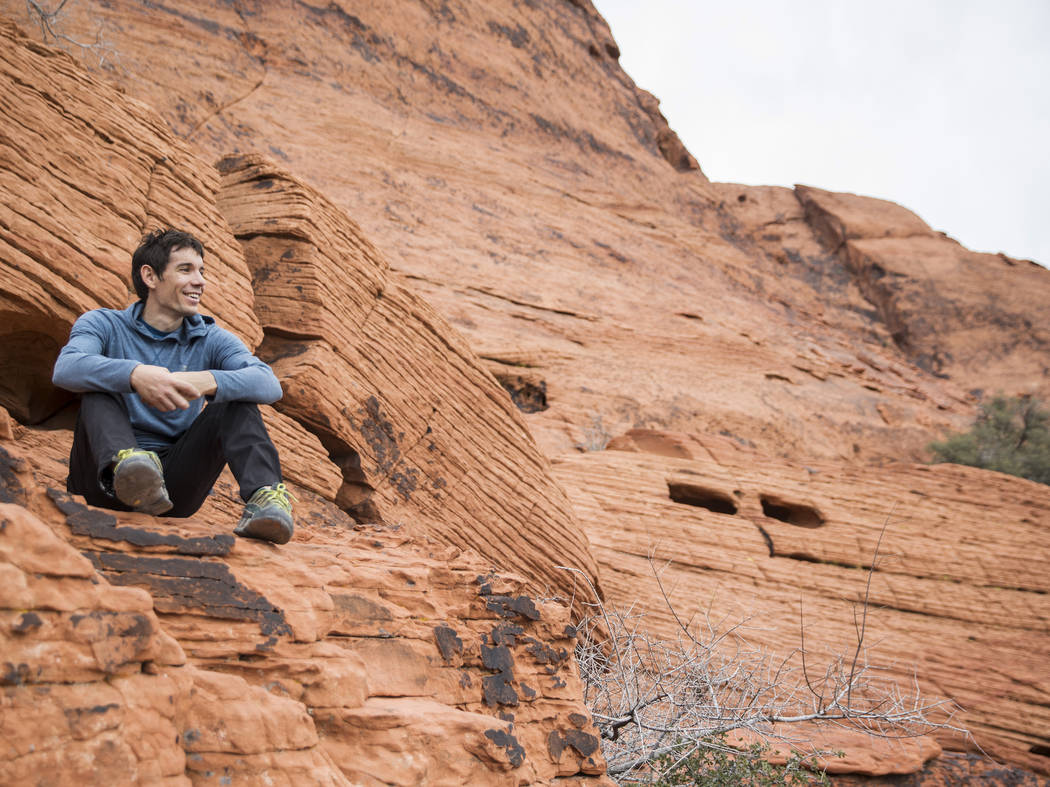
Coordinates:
(266,529)
(141,486)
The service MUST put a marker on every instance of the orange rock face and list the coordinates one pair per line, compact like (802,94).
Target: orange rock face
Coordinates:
(420,431)
(958,589)
(414,428)
(153,651)
(499,155)
(954,320)
(506,179)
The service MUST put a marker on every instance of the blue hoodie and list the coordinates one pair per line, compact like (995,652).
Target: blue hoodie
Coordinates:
(106,345)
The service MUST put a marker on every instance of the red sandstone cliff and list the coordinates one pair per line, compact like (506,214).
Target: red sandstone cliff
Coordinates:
(518,181)
(143,651)
(500,155)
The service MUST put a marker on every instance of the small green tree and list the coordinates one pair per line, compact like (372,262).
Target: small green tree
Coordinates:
(1010,435)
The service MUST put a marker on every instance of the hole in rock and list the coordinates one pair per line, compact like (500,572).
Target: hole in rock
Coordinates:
(798,514)
(355,494)
(529,394)
(1042,751)
(701,497)
(27,359)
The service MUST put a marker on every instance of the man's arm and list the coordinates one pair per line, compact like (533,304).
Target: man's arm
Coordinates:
(82,366)
(239,376)
(203,382)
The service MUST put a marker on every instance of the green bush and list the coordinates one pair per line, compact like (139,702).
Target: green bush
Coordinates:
(716,764)
(1010,435)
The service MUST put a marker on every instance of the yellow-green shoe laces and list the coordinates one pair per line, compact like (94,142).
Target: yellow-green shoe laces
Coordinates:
(124,453)
(278,494)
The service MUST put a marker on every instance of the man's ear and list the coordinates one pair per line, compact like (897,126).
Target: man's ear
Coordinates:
(149,276)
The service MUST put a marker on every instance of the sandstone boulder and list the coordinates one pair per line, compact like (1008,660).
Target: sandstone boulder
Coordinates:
(419,429)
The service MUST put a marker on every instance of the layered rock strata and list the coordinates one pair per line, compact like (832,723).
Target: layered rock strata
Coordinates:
(413,427)
(149,651)
(958,588)
(421,432)
(505,163)
(501,157)
(978,319)
(85,172)
(168,652)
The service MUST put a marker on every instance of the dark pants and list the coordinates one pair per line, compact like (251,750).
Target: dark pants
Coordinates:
(224,432)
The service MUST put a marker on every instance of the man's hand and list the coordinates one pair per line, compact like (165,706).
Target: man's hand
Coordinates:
(203,382)
(165,390)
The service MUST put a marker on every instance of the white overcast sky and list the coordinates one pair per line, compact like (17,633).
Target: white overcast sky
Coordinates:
(942,106)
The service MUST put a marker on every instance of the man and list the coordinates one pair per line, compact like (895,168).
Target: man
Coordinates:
(144,440)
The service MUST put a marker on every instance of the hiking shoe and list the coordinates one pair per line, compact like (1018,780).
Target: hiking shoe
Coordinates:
(268,515)
(138,481)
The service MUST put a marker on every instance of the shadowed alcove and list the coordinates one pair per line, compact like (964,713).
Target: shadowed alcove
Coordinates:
(29,346)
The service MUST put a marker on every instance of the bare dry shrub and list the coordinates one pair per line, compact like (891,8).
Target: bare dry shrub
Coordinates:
(49,18)
(595,436)
(657,703)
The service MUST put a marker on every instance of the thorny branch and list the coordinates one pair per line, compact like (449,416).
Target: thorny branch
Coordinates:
(49,21)
(651,697)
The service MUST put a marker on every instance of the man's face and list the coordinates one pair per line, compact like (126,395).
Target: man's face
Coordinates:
(178,291)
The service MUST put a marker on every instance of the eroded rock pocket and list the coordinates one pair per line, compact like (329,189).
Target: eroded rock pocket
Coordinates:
(26,362)
(702,497)
(798,514)
(528,392)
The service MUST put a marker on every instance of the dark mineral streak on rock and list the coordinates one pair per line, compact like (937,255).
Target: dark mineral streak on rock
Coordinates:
(509,607)
(180,584)
(95,523)
(10,488)
(558,740)
(27,621)
(506,741)
(506,633)
(448,643)
(497,689)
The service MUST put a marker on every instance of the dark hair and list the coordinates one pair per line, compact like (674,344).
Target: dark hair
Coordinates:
(154,250)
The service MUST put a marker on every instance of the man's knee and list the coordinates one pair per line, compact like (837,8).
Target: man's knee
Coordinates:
(233,412)
(96,403)
(244,410)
